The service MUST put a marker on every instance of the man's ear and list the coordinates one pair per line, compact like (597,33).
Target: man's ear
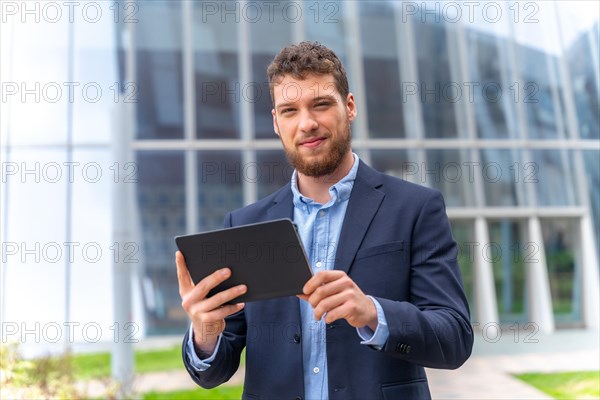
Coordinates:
(351,107)
(275,124)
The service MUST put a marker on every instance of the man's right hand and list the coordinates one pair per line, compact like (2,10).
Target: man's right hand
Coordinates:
(207,313)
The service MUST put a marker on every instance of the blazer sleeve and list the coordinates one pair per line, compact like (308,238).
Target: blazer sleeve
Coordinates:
(433,328)
(227,359)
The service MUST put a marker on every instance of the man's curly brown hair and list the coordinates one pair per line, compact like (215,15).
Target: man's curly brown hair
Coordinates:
(305,58)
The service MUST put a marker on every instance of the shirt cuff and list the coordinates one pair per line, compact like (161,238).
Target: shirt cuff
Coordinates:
(195,362)
(378,338)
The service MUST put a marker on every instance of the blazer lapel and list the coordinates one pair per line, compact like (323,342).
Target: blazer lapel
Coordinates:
(362,207)
(283,204)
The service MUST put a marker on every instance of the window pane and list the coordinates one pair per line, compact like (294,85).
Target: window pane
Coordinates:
(400,163)
(592,172)
(433,65)
(540,90)
(492,105)
(381,69)
(325,23)
(267,39)
(220,186)
(218,91)
(275,171)
(92,226)
(159,109)
(561,242)
(35,254)
(464,237)
(95,61)
(508,251)
(504,177)
(556,180)
(448,171)
(579,29)
(161,207)
(35,83)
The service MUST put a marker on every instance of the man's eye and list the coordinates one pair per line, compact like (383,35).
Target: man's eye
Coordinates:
(322,104)
(287,110)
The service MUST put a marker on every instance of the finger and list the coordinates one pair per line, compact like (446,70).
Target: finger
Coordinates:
(224,312)
(329,304)
(210,282)
(320,278)
(183,275)
(329,289)
(219,299)
(302,297)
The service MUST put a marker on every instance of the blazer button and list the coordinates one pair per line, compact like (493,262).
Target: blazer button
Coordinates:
(400,347)
(296,338)
(297,398)
(408,349)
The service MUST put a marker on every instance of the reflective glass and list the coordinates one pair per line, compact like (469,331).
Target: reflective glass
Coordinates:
(508,251)
(505,177)
(221,176)
(325,22)
(451,172)
(591,159)
(219,94)
(34,253)
(35,81)
(95,179)
(556,181)
(161,209)
(269,34)
(159,70)
(381,70)
(274,171)
(563,258)
(579,28)
(436,87)
(540,90)
(95,70)
(401,163)
(491,87)
(462,230)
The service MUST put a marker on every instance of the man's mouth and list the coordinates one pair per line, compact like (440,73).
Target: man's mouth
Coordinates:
(312,142)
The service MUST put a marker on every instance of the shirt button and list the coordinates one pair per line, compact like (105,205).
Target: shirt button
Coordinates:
(322,213)
(319,263)
(316,370)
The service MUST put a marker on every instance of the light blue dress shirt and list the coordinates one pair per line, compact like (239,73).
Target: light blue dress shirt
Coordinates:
(319,226)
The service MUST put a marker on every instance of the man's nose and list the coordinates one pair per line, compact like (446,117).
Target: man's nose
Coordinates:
(308,123)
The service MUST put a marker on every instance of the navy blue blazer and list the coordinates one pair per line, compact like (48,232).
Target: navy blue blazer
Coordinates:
(397,246)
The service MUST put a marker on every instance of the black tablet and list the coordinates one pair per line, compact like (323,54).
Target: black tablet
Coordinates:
(267,257)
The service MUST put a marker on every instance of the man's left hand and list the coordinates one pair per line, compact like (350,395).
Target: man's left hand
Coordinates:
(335,295)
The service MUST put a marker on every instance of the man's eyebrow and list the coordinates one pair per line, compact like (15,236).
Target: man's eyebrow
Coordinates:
(325,97)
(316,99)
(282,105)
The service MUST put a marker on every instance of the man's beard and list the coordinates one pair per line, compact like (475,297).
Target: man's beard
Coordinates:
(328,162)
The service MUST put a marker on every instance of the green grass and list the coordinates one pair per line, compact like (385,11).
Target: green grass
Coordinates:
(97,365)
(566,385)
(220,393)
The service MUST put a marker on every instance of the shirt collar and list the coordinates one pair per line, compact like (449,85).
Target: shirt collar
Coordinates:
(339,192)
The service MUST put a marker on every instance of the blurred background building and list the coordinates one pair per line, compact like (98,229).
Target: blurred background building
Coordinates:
(496,104)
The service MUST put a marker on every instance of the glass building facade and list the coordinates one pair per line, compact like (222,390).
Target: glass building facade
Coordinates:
(495,105)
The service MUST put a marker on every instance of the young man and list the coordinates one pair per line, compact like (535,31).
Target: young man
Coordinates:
(386,297)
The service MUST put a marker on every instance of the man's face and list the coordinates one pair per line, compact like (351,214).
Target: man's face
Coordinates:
(313,123)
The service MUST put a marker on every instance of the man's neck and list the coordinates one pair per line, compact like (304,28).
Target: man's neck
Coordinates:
(317,188)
